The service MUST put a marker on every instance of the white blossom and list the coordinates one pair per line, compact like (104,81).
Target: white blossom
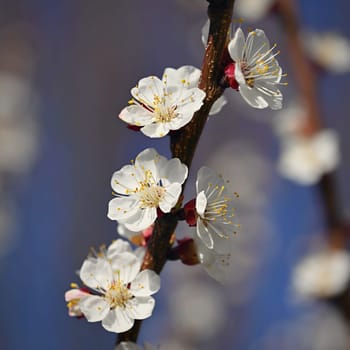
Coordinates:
(151,182)
(159,106)
(132,346)
(253,10)
(322,274)
(215,210)
(306,159)
(255,71)
(123,292)
(329,50)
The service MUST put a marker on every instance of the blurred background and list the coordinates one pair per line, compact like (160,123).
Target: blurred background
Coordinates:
(66,70)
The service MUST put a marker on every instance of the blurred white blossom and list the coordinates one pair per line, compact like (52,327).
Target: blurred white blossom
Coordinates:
(306,159)
(322,274)
(288,121)
(18,125)
(196,309)
(329,50)
(253,10)
(318,328)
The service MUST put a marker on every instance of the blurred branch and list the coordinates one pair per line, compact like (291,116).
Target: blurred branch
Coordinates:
(337,229)
(306,81)
(183,142)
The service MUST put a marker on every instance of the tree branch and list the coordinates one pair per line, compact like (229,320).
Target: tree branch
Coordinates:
(183,142)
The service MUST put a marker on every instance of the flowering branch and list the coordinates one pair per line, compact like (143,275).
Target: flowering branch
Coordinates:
(183,142)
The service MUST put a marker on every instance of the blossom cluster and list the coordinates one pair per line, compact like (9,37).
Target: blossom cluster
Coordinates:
(117,286)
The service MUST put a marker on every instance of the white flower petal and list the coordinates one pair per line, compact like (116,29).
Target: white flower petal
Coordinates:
(125,180)
(205,32)
(96,273)
(117,321)
(252,97)
(173,171)
(201,203)
(236,45)
(256,42)
(126,266)
(143,219)
(140,308)
(122,208)
(136,115)
(205,177)
(185,75)
(191,101)
(216,264)
(156,130)
(117,247)
(94,308)
(218,105)
(146,283)
(171,196)
(147,159)
(148,88)
(204,234)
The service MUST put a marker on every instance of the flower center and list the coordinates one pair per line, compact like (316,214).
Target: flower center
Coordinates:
(151,196)
(218,208)
(163,111)
(261,64)
(118,295)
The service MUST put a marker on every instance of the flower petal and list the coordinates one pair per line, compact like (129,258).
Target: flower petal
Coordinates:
(125,180)
(170,198)
(96,274)
(146,283)
(201,203)
(148,89)
(94,308)
(126,266)
(117,321)
(136,115)
(156,130)
(143,219)
(123,208)
(206,179)
(257,42)
(236,45)
(252,97)
(188,76)
(204,234)
(117,247)
(218,105)
(140,308)
(173,171)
